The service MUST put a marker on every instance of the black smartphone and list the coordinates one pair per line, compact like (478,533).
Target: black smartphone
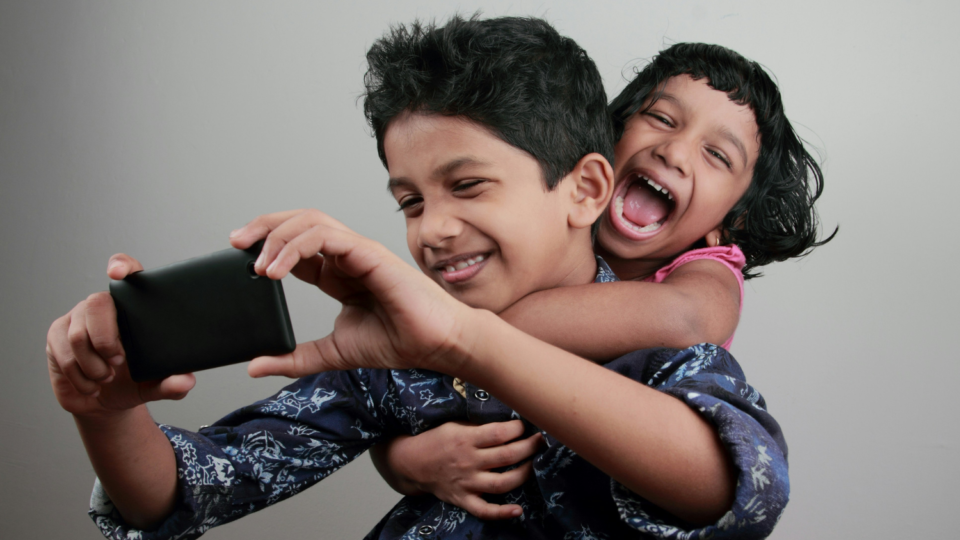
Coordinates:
(201,313)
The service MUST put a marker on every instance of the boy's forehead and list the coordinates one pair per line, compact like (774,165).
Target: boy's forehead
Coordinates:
(439,146)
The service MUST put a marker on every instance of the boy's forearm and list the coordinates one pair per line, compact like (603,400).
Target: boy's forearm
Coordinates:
(647,440)
(135,464)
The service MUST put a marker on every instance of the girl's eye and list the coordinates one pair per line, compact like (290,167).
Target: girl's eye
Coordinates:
(721,157)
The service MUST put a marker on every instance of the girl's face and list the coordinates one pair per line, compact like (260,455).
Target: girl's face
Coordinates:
(679,168)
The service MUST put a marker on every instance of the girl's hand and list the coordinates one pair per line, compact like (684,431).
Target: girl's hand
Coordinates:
(86,361)
(393,316)
(454,462)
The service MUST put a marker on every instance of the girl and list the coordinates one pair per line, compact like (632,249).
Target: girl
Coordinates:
(711,184)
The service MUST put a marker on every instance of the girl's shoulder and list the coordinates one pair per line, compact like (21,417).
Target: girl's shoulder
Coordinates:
(730,256)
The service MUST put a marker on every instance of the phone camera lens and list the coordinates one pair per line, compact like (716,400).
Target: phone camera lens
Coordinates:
(251,271)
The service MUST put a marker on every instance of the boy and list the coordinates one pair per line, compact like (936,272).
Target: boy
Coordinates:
(497,141)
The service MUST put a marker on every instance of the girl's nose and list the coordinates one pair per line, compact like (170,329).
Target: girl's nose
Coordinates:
(675,153)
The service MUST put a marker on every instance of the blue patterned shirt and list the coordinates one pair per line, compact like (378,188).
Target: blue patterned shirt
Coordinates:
(275,448)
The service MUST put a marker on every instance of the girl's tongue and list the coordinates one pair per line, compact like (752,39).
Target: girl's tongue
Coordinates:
(643,206)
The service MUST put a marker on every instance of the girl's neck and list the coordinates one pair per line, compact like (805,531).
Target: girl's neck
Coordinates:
(631,269)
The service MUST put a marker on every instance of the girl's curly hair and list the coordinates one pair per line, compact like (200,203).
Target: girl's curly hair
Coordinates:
(775,219)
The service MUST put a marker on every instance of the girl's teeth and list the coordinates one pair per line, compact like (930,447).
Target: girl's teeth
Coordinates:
(658,187)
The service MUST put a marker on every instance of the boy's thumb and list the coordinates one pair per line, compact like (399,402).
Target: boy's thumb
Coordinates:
(308,358)
(173,387)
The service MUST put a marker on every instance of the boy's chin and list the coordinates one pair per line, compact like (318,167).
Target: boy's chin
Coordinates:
(476,298)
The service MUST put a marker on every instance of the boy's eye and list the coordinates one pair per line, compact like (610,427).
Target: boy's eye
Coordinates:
(408,204)
(660,118)
(464,186)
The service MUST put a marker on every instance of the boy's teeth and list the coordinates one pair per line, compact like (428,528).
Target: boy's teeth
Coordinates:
(464,264)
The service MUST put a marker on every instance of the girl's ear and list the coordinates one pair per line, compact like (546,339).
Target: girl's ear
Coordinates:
(590,190)
(714,237)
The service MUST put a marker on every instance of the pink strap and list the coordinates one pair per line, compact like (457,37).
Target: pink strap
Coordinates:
(729,256)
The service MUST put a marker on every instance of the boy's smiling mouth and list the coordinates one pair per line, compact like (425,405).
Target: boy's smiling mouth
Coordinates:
(462,267)
(640,207)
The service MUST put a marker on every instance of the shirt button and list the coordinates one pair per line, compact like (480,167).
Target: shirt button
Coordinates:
(482,395)
(425,530)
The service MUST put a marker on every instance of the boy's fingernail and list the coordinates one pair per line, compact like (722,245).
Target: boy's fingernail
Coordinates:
(517,512)
(234,233)
(112,265)
(116,360)
(259,262)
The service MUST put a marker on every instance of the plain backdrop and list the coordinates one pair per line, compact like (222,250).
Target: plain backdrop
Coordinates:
(156,128)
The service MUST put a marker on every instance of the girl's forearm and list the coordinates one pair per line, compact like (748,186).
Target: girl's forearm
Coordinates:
(700,303)
(135,464)
(647,440)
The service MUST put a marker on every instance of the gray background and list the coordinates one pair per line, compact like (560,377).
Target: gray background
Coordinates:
(156,128)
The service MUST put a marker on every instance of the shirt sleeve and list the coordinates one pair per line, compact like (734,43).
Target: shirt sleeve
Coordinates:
(711,382)
(259,455)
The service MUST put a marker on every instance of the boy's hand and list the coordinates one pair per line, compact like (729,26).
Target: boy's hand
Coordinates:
(393,316)
(454,462)
(86,361)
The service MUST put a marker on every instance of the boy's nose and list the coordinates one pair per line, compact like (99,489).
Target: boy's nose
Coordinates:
(437,227)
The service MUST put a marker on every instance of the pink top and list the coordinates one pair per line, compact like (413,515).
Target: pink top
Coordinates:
(729,256)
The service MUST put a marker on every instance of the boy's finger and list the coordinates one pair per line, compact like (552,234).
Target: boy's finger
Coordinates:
(92,366)
(122,265)
(264,225)
(259,228)
(104,335)
(491,482)
(489,511)
(498,433)
(509,454)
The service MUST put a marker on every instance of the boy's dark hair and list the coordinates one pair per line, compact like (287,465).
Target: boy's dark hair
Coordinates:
(530,86)
(775,219)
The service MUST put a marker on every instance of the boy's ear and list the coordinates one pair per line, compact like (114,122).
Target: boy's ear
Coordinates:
(591,188)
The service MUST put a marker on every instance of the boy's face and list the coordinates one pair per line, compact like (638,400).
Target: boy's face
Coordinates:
(699,149)
(480,221)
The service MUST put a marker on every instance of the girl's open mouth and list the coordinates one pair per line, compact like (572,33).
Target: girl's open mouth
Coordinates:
(640,207)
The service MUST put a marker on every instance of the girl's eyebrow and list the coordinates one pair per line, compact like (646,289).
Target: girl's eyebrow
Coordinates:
(729,136)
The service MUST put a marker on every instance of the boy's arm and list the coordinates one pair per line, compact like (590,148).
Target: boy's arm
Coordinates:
(88,372)
(395,317)
(699,302)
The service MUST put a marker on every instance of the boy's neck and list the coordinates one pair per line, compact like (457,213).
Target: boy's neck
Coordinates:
(632,269)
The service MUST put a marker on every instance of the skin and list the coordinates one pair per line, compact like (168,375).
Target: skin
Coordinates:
(396,317)
(702,148)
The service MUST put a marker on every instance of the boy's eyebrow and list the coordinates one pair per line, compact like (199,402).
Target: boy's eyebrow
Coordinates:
(446,169)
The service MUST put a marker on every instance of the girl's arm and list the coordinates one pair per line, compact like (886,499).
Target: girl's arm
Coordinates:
(455,463)
(699,302)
